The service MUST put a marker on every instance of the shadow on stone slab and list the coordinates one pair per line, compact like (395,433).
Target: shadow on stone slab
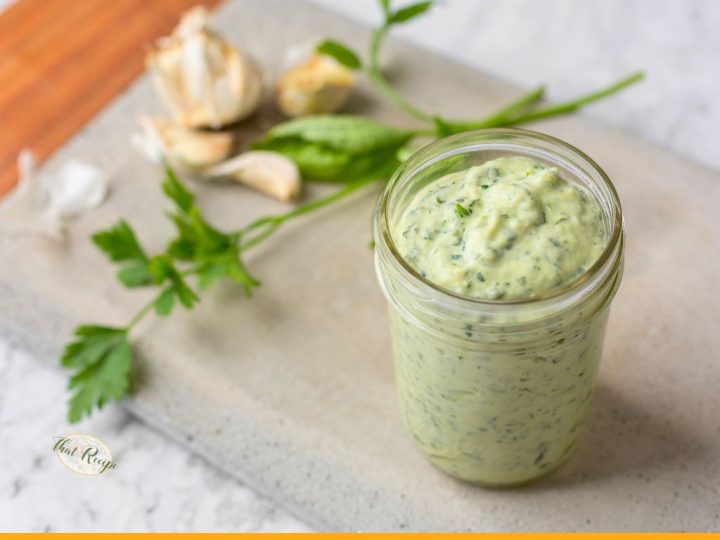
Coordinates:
(625,439)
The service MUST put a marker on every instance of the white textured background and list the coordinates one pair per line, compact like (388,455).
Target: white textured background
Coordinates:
(571,46)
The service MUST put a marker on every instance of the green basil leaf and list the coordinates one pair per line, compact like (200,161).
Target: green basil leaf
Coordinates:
(347,133)
(409,12)
(380,164)
(315,161)
(341,53)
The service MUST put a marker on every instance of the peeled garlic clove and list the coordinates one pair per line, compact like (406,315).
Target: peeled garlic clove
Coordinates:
(24,208)
(75,188)
(321,85)
(269,172)
(202,79)
(40,204)
(188,148)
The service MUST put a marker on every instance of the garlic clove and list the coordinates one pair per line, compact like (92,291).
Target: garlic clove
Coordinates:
(191,149)
(203,80)
(41,203)
(321,85)
(269,172)
(75,188)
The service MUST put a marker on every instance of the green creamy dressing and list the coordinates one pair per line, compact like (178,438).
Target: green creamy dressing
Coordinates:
(508,229)
(488,405)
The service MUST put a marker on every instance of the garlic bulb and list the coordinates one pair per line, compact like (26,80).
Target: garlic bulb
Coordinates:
(269,172)
(203,79)
(188,148)
(321,85)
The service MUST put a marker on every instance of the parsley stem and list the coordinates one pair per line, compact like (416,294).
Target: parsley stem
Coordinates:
(501,117)
(376,76)
(141,314)
(521,104)
(272,223)
(516,113)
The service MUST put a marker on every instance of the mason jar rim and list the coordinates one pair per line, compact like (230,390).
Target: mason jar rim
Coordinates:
(527,143)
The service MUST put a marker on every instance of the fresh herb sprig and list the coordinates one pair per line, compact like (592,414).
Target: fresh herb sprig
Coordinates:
(101,356)
(523,110)
(350,150)
(338,148)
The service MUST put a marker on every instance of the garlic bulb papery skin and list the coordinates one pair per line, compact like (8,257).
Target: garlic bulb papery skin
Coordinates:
(42,204)
(269,172)
(202,79)
(320,85)
(187,148)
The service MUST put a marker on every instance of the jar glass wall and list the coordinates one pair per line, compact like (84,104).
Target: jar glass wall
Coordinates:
(496,392)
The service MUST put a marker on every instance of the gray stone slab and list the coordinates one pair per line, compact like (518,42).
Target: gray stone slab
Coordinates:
(292,391)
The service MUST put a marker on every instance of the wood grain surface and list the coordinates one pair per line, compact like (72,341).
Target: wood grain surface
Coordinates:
(62,61)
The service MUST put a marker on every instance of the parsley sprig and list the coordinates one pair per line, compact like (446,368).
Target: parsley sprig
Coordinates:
(350,150)
(101,356)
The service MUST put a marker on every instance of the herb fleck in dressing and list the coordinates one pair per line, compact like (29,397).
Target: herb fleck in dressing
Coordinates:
(485,404)
(508,229)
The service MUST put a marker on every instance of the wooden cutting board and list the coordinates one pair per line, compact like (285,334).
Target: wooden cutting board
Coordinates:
(62,61)
(292,391)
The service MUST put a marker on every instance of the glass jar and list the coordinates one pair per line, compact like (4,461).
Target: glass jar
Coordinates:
(496,392)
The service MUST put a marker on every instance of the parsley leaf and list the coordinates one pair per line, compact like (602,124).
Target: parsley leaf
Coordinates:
(461,211)
(175,189)
(135,275)
(163,270)
(230,266)
(165,302)
(101,359)
(216,254)
(120,243)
